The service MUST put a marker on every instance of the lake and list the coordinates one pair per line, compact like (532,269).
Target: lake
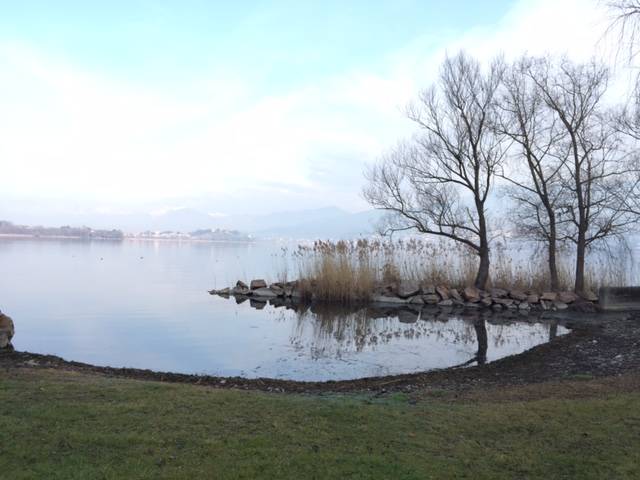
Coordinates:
(144,304)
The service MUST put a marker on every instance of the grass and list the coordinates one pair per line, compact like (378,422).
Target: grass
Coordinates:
(350,271)
(73,426)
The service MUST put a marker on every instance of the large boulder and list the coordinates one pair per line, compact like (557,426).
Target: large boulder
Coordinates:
(258,283)
(7,330)
(549,296)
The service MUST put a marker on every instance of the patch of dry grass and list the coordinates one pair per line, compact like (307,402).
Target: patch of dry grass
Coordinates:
(351,271)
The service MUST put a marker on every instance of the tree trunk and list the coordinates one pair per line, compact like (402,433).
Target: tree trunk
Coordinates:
(482,276)
(553,268)
(481,334)
(580,255)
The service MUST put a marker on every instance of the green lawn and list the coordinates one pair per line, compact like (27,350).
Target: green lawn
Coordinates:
(64,425)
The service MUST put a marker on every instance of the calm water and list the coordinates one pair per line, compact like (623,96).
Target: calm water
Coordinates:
(145,305)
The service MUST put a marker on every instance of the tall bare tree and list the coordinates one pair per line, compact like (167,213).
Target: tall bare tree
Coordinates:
(534,169)
(439,182)
(598,178)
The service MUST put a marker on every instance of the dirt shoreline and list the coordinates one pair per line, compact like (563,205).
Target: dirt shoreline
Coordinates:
(599,345)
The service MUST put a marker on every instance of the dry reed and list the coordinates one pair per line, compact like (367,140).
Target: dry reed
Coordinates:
(351,271)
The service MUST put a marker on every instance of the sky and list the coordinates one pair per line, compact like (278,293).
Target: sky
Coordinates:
(234,107)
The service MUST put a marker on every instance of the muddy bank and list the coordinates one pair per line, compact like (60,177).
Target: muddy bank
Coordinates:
(599,345)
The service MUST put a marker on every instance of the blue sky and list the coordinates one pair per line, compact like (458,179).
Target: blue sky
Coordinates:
(232,107)
(279,45)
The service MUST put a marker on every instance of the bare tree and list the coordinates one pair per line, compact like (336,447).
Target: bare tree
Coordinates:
(624,28)
(439,183)
(534,169)
(599,179)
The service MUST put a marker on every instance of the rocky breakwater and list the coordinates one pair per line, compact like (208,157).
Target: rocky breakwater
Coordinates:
(416,294)
(7,330)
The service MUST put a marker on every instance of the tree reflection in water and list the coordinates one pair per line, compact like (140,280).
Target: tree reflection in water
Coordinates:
(330,331)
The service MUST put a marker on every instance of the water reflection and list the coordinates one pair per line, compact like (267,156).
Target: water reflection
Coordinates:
(336,333)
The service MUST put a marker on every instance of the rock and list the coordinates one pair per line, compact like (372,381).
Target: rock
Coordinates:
(431,299)
(259,283)
(264,292)
(7,330)
(496,307)
(257,304)
(498,293)
(545,304)
(486,301)
(241,284)
(471,294)
(505,302)
(408,289)
(225,292)
(428,289)
(567,297)
(590,296)
(518,295)
(239,290)
(549,296)
(472,305)
(533,299)
(455,295)
(446,303)
(387,299)
(560,305)
(524,306)
(443,292)
(417,300)
(278,289)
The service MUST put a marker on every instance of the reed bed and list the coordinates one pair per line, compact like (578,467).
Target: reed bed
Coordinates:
(351,271)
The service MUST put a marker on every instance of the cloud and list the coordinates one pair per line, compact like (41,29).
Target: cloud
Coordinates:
(68,132)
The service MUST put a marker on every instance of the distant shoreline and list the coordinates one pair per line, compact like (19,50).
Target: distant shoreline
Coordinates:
(24,236)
